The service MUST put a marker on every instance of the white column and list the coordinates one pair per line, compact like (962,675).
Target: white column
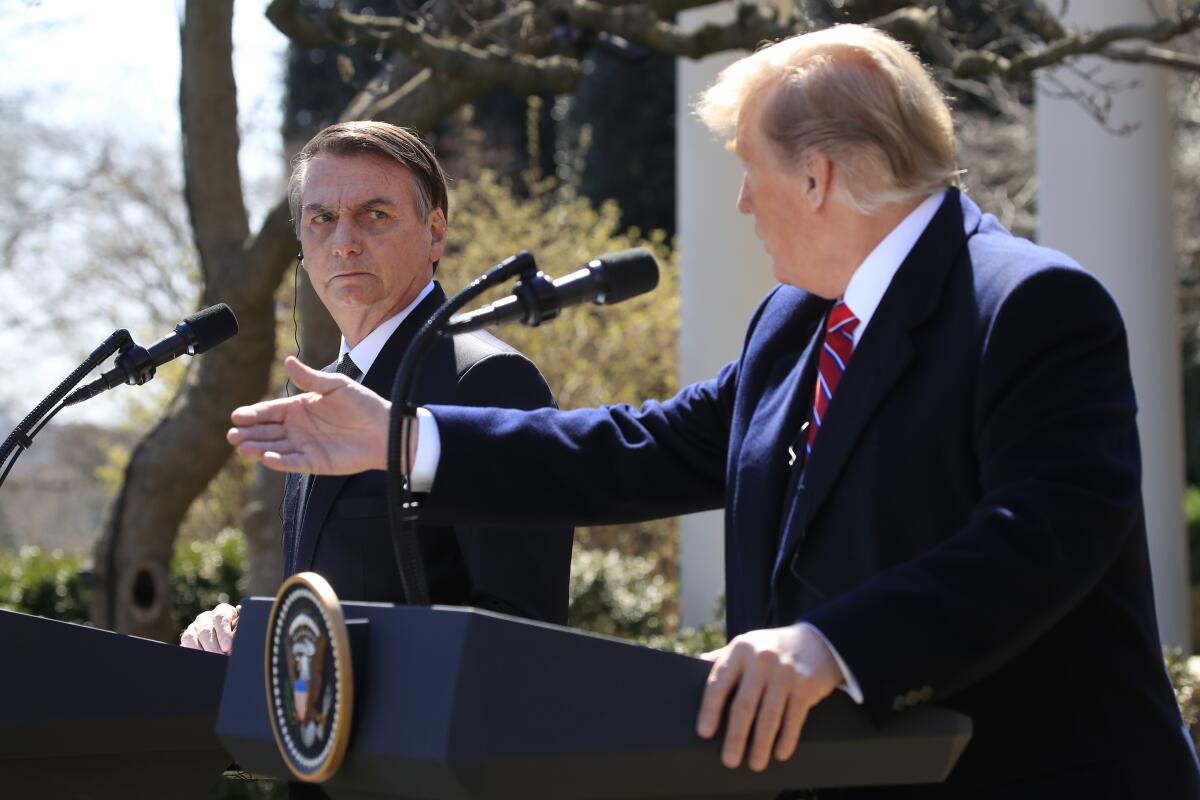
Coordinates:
(1105,200)
(724,272)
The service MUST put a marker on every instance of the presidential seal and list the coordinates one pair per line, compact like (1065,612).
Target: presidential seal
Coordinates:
(310,682)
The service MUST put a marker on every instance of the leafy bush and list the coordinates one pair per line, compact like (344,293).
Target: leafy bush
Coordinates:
(205,572)
(611,593)
(43,582)
(48,583)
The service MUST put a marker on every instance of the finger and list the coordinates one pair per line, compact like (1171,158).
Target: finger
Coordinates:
(285,462)
(312,380)
(208,640)
(766,723)
(263,432)
(262,413)
(793,722)
(188,638)
(743,709)
(223,627)
(721,679)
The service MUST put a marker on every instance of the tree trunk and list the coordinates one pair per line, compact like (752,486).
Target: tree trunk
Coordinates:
(186,448)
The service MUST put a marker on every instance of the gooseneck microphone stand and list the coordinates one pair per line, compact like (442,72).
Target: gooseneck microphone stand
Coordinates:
(21,439)
(403,509)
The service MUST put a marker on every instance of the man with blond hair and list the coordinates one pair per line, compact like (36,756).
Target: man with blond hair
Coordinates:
(926,451)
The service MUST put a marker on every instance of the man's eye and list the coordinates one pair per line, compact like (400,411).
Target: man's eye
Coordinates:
(320,218)
(375,213)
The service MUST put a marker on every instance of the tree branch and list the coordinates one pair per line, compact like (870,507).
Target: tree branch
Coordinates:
(638,23)
(447,57)
(1159,56)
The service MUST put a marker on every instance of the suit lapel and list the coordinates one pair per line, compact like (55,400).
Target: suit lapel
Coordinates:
(883,355)
(758,478)
(323,490)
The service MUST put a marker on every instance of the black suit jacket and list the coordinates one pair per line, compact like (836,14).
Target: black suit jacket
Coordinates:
(338,526)
(969,528)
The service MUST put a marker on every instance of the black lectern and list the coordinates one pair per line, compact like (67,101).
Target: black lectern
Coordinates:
(462,703)
(89,714)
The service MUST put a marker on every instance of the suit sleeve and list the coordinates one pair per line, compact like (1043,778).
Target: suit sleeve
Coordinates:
(595,466)
(1060,475)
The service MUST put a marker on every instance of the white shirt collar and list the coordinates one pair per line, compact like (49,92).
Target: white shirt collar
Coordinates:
(874,275)
(365,352)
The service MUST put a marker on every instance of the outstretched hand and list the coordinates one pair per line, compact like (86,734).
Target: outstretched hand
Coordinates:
(337,427)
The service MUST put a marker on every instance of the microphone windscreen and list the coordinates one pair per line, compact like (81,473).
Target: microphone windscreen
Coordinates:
(211,326)
(627,273)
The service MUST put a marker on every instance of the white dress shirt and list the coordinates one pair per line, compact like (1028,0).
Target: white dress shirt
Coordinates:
(365,352)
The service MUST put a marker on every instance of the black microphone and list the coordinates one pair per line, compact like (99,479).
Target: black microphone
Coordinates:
(609,279)
(197,334)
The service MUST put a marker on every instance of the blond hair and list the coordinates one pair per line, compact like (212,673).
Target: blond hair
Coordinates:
(855,95)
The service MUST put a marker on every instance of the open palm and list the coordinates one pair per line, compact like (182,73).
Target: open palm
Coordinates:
(337,427)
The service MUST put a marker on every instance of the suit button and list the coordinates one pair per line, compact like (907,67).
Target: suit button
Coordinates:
(926,694)
(899,703)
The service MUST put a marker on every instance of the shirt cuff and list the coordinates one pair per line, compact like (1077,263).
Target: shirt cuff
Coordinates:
(849,685)
(429,452)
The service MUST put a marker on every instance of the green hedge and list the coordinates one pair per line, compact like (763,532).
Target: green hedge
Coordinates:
(613,594)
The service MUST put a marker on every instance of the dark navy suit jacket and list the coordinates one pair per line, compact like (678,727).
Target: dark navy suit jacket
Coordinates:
(968,530)
(338,526)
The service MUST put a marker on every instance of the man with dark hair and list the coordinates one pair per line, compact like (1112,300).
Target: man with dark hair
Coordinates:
(370,208)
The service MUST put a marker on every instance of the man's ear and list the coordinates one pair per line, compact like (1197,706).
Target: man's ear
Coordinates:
(817,174)
(437,234)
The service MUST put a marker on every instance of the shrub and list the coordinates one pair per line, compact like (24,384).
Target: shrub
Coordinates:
(205,572)
(43,582)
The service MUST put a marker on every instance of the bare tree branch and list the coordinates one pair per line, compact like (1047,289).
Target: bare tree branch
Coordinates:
(501,54)
(1159,56)
(451,57)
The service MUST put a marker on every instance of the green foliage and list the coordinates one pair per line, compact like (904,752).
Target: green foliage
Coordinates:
(618,595)
(1191,506)
(627,596)
(591,355)
(1187,690)
(48,583)
(205,572)
(43,582)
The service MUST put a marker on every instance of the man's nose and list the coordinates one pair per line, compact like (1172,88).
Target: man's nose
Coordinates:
(743,200)
(345,238)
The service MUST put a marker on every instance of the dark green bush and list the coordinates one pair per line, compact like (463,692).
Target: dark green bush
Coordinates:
(43,582)
(205,572)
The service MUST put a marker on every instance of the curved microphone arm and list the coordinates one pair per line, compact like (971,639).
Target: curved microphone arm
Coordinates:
(402,508)
(22,435)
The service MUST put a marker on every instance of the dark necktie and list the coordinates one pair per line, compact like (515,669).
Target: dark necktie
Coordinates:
(347,367)
(835,355)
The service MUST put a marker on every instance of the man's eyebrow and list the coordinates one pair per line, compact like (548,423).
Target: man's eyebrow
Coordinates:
(374,202)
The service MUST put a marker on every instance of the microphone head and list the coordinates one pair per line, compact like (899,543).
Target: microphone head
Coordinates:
(626,274)
(209,327)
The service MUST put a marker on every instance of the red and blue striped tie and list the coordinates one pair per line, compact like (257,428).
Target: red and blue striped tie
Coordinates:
(835,355)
